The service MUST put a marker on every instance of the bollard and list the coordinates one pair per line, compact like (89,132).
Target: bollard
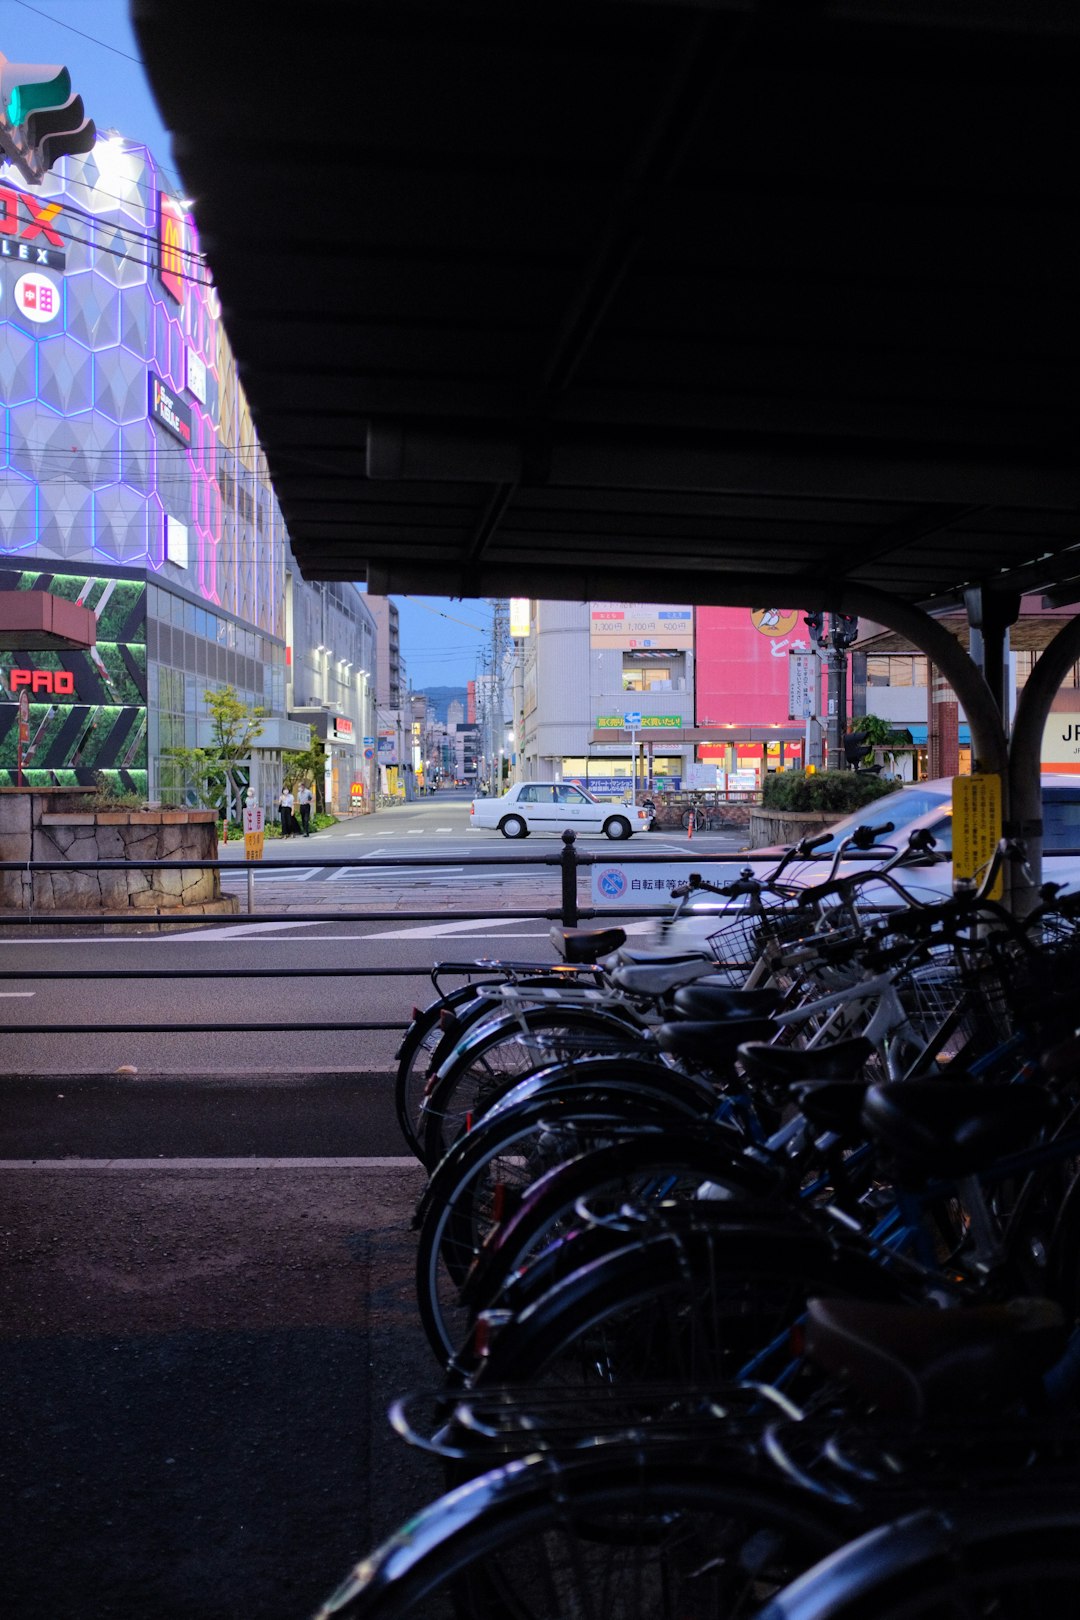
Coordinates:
(568,862)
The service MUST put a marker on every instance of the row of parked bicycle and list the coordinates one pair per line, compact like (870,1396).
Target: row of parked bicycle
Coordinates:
(753,1278)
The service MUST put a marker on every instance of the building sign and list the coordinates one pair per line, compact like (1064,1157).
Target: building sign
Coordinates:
(37,297)
(742,665)
(804,684)
(341,728)
(519,617)
(196,376)
(171,246)
(86,710)
(627,626)
(27,231)
(644,722)
(176,541)
(57,682)
(171,412)
(1061,743)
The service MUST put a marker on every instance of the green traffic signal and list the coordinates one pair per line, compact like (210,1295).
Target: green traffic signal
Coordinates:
(30,85)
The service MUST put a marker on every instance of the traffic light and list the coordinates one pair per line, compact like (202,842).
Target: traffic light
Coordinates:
(856,747)
(845,629)
(815,624)
(40,120)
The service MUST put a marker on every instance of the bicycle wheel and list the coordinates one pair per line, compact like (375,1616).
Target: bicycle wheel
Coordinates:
(624,1536)
(1011,1561)
(415,1055)
(658,1162)
(485,1169)
(705,1298)
(494,1051)
(431,1038)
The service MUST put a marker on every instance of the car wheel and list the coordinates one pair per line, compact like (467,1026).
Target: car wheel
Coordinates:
(513,827)
(618,827)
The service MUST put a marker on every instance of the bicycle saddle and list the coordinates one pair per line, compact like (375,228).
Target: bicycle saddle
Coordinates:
(789,1065)
(705,1000)
(948,1128)
(916,1360)
(585,944)
(832,1105)
(712,1043)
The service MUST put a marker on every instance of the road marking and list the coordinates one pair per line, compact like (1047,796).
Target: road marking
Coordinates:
(238,930)
(16,995)
(445,930)
(444,829)
(392,874)
(211,1164)
(296,874)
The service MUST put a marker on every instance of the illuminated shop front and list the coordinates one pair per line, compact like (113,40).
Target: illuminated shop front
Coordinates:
(130,475)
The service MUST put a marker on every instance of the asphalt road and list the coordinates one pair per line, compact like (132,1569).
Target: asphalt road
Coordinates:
(46,1022)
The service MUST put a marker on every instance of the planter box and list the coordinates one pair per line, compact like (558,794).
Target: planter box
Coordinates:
(37,825)
(788,826)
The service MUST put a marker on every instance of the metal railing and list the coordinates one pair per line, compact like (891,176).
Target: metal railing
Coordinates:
(569,862)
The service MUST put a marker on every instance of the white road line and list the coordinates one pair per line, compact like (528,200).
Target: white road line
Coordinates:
(444,829)
(238,930)
(211,1164)
(447,929)
(16,995)
(392,875)
(298,874)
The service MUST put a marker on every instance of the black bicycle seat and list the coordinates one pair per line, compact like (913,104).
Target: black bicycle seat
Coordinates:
(952,1128)
(706,1000)
(791,1065)
(583,945)
(712,1043)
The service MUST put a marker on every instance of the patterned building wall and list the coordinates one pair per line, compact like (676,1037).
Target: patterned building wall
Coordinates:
(126,443)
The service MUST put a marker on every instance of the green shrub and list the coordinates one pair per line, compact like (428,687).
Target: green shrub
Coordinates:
(823,790)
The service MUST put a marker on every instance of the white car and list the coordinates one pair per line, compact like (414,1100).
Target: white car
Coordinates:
(923,804)
(552,807)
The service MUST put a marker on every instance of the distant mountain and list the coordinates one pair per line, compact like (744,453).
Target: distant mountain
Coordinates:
(440,698)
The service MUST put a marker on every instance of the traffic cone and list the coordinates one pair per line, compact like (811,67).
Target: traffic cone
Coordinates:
(690,826)
(225,834)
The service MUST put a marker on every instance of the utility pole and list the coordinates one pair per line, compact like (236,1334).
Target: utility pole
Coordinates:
(843,630)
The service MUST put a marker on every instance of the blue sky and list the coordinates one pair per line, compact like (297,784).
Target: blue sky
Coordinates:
(94,40)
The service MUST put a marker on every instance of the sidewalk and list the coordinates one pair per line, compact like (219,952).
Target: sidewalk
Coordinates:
(197,1364)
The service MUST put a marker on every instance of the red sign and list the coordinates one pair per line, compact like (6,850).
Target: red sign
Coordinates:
(171,246)
(741,667)
(57,682)
(27,233)
(344,727)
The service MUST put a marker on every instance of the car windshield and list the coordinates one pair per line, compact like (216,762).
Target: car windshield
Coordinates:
(901,808)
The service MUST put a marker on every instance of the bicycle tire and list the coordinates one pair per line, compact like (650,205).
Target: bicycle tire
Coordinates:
(636,1168)
(460,1207)
(527,1542)
(416,1055)
(427,1045)
(1014,1561)
(701,1300)
(493,1050)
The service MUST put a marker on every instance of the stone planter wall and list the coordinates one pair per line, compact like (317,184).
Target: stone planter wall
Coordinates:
(788,826)
(39,825)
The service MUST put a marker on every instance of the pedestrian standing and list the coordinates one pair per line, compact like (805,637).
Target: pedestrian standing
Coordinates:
(285,811)
(303,799)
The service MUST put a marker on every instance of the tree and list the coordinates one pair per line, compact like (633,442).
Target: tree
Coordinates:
(308,766)
(215,774)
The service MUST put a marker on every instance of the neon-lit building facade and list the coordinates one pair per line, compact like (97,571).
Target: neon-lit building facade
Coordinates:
(129,472)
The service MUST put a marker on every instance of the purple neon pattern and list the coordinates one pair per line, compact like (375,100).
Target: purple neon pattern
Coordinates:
(84,474)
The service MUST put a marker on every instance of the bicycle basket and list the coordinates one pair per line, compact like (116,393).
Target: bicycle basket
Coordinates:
(957,1003)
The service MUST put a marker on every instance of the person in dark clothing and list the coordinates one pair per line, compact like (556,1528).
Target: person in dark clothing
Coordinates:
(303,800)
